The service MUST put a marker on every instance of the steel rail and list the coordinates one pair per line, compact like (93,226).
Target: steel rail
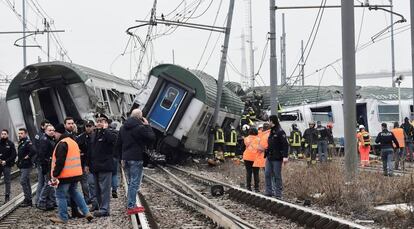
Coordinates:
(214,215)
(14,203)
(198,196)
(13,175)
(296,213)
(137,220)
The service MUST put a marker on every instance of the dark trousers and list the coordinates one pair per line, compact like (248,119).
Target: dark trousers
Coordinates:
(6,171)
(25,182)
(249,171)
(103,190)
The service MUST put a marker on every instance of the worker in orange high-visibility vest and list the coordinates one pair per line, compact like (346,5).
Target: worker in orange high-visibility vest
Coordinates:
(364,147)
(260,161)
(399,152)
(249,156)
(66,172)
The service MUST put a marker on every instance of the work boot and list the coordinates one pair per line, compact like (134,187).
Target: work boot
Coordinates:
(94,208)
(114,194)
(100,214)
(6,198)
(56,219)
(26,203)
(89,217)
(76,214)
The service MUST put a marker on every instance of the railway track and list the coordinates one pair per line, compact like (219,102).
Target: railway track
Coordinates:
(296,213)
(10,207)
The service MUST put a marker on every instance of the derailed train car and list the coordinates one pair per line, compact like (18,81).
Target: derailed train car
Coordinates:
(179,104)
(55,90)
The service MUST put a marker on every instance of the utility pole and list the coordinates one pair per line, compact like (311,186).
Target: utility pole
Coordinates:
(349,82)
(283,52)
(222,69)
(173,56)
(245,81)
(412,44)
(392,46)
(302,64)
(251,50)
(273,59)
(47,29)
(24,33)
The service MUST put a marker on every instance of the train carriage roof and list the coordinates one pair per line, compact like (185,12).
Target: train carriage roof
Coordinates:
(298,95)
(71,73)
(205,86)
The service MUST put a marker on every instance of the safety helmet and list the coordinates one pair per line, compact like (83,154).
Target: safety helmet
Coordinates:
(245,127)
(260,126)
(361,127)
(311,123)
(294,125)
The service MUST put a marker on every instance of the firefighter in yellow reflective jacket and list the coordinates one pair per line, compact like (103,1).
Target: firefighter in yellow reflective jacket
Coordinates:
(245,120)
(295,142)
(231,142)
(252,113)
(219,143)
(310,139)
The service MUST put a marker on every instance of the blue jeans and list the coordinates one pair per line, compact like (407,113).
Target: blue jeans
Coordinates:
(322,150)
(134,171)
(409,150)
(273,178)
(25,182)
(40,183)
(386,156)
(63,193)
(115,181)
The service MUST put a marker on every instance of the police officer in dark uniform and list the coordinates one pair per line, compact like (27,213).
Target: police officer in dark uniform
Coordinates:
(25,154)
(386,139)
(47,198)
(100,163)
(7,158)
(87,182)
(40,178)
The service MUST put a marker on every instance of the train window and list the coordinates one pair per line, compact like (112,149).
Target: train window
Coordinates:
(290,116)
(201,118)
(323,114)
(388,113)
(104,97)
(132,98)
(169,98)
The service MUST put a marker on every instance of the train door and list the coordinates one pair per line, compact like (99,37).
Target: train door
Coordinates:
(47,105)
(166,106)
(362,117)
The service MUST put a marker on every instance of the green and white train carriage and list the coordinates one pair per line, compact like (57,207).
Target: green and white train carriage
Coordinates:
(179,104)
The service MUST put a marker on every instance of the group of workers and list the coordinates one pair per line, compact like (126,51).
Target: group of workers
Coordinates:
(396,145)
(65,156)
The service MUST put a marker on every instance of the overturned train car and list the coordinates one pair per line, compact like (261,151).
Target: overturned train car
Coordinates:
(55,90)
(179,104)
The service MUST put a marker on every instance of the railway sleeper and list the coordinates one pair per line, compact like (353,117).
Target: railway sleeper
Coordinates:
(320,224)
(303,218)
(311,220)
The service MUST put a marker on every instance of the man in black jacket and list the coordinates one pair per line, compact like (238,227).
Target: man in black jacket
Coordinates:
(134,136)
(409,132)
(87,183)
(7,158)
(24,163)
(47,198)
(100,163)
(36,146)
(276,155)
(386,139)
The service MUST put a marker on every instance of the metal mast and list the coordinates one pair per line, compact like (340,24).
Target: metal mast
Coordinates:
(349,82)
(245,80)
(283,52)
(250,38)
(273,60)
(24,33)
(392,46)
(412,43)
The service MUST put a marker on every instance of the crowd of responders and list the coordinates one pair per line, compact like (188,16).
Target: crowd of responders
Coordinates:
(66,155)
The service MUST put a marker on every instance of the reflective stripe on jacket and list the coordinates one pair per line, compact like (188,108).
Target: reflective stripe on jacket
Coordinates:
(252,147)
(233,139)
(219,136)
(72,166)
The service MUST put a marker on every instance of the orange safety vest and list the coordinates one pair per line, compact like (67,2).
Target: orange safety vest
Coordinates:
(252,147)
(399,135)
(260,161)
(72,166)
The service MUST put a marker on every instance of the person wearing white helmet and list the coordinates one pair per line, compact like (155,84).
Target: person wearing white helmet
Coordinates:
(364,145)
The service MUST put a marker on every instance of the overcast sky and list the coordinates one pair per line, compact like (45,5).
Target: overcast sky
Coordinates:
(95,37)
